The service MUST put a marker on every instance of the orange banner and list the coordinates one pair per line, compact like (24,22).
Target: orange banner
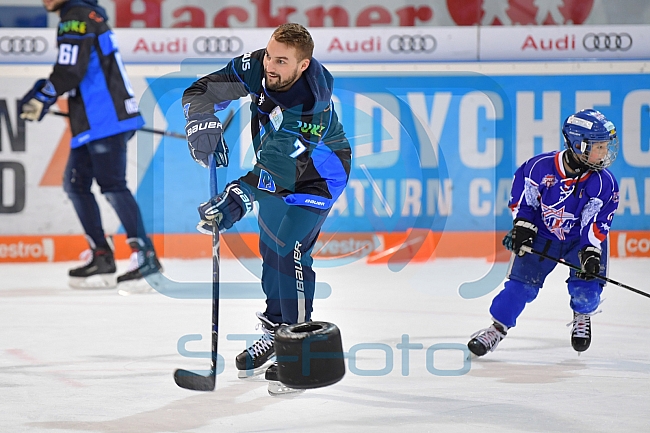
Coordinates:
(411,246)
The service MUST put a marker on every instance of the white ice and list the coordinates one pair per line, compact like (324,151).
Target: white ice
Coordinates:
(77,361)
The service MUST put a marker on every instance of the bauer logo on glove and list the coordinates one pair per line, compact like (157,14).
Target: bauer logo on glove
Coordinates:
(195,126)
(227,208)
(204,138)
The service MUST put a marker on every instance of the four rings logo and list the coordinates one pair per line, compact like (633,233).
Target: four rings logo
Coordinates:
(412,43)
(607,42)
(23,45)
(218,45)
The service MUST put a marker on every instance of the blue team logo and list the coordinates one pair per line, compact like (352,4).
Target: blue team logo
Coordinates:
(266,182)
(549,180)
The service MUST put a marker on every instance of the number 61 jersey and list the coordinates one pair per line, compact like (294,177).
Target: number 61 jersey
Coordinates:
(89,68)
(563,207)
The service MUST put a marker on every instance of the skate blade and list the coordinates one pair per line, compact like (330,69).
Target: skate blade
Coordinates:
(136,287)
(140,286)
(278,389)
(99,281)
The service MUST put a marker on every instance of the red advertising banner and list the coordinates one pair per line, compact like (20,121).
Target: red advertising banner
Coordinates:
(360,13)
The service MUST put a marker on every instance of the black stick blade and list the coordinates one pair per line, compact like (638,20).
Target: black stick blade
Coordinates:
(196,382)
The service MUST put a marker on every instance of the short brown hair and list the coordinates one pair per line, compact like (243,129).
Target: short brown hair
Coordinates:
(295,35)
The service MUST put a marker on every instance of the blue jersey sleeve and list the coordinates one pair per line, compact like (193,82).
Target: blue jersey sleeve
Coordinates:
(524,195)
(598,214)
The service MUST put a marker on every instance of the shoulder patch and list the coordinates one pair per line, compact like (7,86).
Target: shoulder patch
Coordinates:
(95,17)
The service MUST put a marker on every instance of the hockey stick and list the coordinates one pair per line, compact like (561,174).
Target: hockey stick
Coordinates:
(144,129)
(576,268)
(185,378)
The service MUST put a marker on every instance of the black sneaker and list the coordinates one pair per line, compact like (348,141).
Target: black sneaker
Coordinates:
(97,272)
(580,332)
(143,262)
(486,340)
(252,360)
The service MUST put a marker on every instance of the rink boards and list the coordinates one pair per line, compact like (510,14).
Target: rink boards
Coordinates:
(434,145)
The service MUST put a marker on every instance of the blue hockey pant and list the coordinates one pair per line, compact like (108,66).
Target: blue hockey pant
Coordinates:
(528,273)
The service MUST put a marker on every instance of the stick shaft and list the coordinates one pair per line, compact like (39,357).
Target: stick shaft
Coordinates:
(215,271)
(576,268)
(216,258)
(144,128)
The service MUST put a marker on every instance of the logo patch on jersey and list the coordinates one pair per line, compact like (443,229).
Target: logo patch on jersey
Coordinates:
(131,105)
(310,128)
(558,221)
(276,117)
(73,26)
(266,182)
(549,180)
(615,197)
(261,100)
(97,18)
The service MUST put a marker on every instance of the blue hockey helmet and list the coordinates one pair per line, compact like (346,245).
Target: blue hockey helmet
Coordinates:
(583,130)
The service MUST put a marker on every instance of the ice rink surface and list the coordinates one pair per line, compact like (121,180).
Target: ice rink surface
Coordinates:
(94,361)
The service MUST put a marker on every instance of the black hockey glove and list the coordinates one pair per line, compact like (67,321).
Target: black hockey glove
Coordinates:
(34,105)
(523,233)
(589,262)
(204,138)
(226,208)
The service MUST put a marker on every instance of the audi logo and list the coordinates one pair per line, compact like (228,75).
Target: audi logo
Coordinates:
(23,45)
(607,42)
(218,45)
(412,44)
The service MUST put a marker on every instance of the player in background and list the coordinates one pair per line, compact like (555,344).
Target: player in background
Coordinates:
(302,166)
(563,204)
(103,117)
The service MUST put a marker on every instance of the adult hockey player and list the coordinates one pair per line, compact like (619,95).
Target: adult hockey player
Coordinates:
(563,204)
(103,117)
(302,166)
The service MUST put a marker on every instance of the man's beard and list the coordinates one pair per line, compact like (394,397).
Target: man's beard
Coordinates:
(280,84)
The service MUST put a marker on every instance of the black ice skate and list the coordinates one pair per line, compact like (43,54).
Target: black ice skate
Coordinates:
(580,332)
(486,340)
(252,361)
(142,263)
(97,273)
(276,387)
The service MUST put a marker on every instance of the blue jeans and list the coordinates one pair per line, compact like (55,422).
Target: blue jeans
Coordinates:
(103,160)
(287,236)
(528,273)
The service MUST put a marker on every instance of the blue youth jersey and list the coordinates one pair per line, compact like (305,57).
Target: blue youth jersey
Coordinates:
(563,207)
